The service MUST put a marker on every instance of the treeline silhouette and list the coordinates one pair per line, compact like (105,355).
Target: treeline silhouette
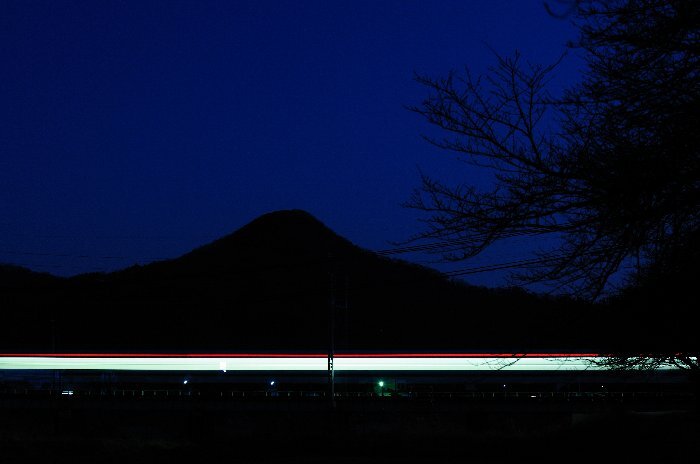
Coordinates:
(274,285)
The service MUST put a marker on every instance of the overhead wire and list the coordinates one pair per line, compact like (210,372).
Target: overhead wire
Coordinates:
(442,246)
(455,244)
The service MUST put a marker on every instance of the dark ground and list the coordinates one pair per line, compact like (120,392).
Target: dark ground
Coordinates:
(74,432)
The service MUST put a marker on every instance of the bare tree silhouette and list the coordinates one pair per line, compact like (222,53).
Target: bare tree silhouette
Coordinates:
(616,178)
(611,167)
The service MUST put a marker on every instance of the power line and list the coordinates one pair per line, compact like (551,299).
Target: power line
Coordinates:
(321,292)
(69,255)
(449,245)
(111,237)
(434,247)
(442,246)
(501,266)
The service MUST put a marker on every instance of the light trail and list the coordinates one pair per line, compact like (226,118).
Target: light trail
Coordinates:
(301,355)
(307,363)
(165,364)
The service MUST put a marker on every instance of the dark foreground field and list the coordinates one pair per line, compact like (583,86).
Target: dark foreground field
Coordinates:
(386,432)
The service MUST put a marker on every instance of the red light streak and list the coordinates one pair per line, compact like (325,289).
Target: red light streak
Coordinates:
(301,355)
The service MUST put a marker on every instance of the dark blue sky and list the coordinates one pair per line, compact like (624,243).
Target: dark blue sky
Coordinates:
(135,130)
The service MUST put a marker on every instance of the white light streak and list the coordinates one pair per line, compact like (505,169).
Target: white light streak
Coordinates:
(164,364)
(341,364)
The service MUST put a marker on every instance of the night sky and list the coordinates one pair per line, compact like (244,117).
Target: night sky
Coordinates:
(133,130)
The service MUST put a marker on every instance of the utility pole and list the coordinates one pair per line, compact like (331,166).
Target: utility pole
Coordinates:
(346,316)
(333,308)
(331,347)
(56,380)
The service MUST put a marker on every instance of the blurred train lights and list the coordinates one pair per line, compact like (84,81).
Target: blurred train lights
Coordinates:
(306,363)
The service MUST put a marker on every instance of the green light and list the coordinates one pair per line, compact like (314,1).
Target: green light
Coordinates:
(381,383)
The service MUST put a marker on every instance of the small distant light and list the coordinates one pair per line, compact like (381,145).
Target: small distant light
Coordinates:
(185,382)
(533,396)
(272,383)
(67,392)
(381,383)
(504,385)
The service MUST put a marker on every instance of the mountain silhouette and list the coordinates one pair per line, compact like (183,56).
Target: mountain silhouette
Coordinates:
(274,285)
